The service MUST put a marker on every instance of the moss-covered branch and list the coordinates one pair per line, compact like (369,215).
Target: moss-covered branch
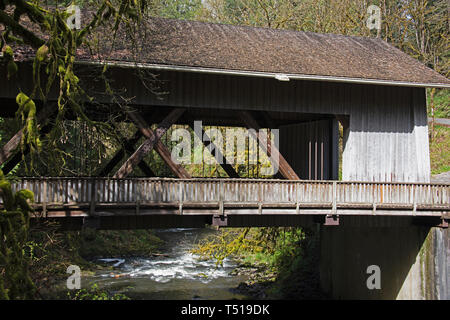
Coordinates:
(15,282)
(27,36)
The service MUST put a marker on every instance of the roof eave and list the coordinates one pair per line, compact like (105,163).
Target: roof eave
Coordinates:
(272,75)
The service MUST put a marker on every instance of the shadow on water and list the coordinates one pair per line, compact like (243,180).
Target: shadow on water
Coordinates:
(175,274)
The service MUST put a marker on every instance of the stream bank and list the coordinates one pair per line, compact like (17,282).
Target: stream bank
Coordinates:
(140,264)
(159,264)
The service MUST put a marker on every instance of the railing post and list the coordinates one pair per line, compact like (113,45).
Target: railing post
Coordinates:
(180,197)
(44,197)
(334,208)
(138,196)
(221,197)
(220,219)
(93,196)
(260,197)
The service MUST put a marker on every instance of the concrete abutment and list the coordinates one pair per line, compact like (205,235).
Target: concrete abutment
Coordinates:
(414,260)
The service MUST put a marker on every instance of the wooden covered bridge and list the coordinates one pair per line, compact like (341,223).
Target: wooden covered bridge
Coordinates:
(304,84)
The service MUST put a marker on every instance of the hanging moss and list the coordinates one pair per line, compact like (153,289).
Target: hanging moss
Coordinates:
(56,55)
(16,282)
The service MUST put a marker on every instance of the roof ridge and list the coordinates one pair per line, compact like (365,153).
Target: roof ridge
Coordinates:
(243,26)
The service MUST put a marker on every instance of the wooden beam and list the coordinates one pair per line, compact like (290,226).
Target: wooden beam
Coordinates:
(9,149)
(216,152)
(153,141)
(160,148)
(284,167)
(269,121)
(128,148)
(13,161)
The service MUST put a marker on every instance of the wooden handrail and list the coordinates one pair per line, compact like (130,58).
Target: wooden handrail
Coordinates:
(107,190)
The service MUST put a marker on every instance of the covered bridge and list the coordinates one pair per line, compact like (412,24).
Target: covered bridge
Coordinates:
(303,84)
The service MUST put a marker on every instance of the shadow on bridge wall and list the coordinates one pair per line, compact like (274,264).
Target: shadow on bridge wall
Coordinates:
(413,260)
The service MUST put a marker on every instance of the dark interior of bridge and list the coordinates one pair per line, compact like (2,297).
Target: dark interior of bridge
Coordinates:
(305,140)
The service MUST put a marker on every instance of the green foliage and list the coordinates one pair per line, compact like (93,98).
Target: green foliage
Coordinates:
(52,250)
(179,9)
(278,246)
(272,246)
(95,293)
(298,270)
(440,101)
(117,243)
(27,112)
(227,243)
(440,149)
(56,47)
(290,253)
(15,282)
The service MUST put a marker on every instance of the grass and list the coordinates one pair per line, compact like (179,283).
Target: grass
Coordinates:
(440,138)
(441,102)
(440,149)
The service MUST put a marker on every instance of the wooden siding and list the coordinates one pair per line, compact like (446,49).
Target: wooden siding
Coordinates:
(387,138)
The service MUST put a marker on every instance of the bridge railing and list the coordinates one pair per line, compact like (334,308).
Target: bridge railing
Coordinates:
(166,190)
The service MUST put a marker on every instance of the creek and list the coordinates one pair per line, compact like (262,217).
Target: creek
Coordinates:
(175,273)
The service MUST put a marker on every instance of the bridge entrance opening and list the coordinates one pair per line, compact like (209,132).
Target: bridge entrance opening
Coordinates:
(186,143)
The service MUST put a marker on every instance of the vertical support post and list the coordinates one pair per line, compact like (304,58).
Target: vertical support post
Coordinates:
(220,219)
(333,219)
(334,146)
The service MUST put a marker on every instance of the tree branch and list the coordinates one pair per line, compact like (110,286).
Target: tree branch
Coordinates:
(28,36)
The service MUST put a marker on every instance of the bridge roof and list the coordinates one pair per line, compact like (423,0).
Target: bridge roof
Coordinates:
(200,45)
(210,47)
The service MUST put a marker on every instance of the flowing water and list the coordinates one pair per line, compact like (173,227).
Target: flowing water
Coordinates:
(176,274)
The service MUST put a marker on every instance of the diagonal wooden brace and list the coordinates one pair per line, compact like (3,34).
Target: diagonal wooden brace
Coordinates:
(128,148)
(284,167)
(227,167)
(160,148)
(10,148)
(152,142)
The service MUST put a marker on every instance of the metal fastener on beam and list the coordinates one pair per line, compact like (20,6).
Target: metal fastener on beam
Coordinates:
(219,220)
(331,220)
(443,224)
